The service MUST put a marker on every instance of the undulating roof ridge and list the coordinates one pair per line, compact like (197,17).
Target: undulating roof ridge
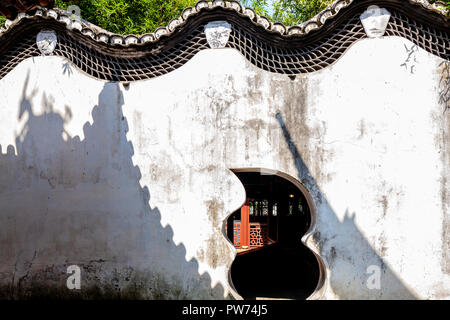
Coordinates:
(103,36)
(308,47)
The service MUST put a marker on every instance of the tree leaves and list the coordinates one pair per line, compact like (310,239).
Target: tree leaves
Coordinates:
(128,16)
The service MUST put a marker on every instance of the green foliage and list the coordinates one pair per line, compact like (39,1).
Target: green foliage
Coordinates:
(143,16)
(292,12)
(288,12)
(128,16)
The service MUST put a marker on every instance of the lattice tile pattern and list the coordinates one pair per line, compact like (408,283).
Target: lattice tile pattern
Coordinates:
(291,61)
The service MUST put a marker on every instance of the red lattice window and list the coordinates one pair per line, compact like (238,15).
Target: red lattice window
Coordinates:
(258,234)
(237,233)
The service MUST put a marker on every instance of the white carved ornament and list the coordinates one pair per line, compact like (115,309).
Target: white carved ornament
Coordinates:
(46,41)
(217,34)
(375,20)
(74,11)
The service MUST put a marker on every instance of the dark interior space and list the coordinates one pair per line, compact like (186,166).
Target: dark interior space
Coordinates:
(272,262)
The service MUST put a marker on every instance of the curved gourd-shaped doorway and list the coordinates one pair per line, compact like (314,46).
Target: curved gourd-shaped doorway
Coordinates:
(271,261)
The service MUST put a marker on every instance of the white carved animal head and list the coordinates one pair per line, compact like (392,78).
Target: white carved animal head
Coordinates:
(375,21)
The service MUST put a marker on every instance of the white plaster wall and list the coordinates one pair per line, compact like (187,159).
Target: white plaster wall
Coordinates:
(133,183)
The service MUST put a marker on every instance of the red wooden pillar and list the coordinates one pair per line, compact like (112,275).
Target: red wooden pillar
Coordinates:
(245,226)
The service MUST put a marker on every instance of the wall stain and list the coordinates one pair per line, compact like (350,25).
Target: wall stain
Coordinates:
(216,247)
(442,141)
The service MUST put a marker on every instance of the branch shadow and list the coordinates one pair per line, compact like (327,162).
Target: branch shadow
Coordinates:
(344,263)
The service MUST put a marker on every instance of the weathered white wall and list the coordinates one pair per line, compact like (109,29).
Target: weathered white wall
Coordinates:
(133,183)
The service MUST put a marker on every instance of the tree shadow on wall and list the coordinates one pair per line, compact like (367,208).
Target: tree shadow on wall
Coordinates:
(354,250)
(66,201)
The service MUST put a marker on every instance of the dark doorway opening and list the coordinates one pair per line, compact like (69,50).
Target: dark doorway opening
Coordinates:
(272,262)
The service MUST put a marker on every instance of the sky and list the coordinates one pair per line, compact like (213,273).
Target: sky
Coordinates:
(270,7)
